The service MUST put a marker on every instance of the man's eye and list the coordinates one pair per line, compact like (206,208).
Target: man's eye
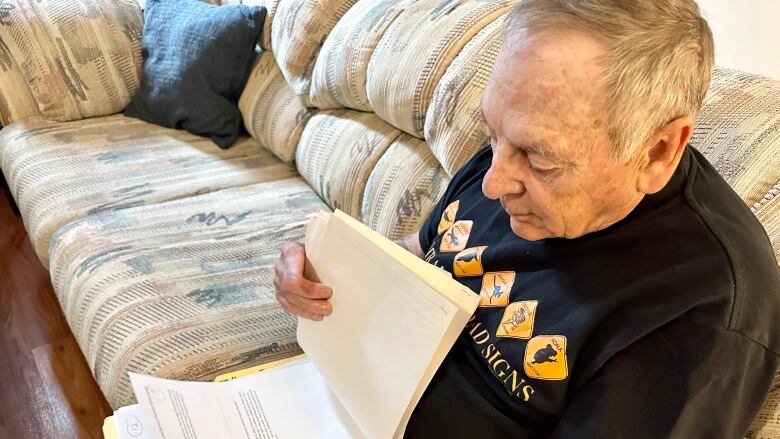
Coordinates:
(543,172)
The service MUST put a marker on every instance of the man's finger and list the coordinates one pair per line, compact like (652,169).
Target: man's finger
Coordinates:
(293,257)
(319,306)
(295,310)
(304,287)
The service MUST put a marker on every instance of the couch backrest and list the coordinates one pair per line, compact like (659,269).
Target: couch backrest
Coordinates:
(380,68)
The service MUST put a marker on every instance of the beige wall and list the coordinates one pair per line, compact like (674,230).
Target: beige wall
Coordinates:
(747,34)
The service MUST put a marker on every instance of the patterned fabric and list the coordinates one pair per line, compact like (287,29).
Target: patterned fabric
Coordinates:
(339,78)
(59,172)
(16,99)
(182,289)
(454,126)
(403,188)
(414,52)
(272,113)
(767,423)
(338,151)
(297,33)
(738,131)
(81,59)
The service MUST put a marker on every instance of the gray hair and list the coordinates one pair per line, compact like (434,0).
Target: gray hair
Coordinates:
(658,63)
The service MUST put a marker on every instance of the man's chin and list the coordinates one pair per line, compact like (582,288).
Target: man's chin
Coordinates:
(527,230)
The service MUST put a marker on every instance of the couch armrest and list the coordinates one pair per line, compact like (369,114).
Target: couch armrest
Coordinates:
(80,59)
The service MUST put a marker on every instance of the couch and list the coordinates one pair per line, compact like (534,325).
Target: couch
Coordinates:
(160,245)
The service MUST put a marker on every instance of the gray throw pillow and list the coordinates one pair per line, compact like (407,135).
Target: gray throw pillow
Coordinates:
(196,60)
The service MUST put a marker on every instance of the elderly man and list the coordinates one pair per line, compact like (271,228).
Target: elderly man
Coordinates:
(627,291)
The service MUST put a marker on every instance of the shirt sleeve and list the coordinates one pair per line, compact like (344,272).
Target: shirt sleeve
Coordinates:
(683,381)
(473,169)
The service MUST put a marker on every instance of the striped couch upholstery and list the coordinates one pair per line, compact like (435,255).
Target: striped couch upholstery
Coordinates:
(160,245)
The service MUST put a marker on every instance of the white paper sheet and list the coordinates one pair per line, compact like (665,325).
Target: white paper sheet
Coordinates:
(376,347)
(131,423)
(289,402)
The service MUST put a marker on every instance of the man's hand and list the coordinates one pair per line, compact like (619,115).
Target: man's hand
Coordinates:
(412,244)
(303,297)
(296,294)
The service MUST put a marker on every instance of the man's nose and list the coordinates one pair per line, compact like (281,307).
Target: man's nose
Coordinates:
(499,181)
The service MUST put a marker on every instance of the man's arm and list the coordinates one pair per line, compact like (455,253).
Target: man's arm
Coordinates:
(412,244)
(683,381)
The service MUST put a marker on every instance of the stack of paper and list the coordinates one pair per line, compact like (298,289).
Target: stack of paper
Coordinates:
(394,319)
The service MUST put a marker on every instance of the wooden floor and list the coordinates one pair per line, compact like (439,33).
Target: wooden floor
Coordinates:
(46,389)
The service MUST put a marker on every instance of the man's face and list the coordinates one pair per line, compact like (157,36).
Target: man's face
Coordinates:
(552,170)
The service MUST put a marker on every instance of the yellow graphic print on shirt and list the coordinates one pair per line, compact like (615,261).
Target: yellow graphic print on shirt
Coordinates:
(469,262)
(518,320)
(448,216)
(545,358)
(455,238)
(495,289)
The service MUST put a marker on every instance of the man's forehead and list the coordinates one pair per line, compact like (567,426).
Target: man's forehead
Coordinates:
(548,91)
(550,66)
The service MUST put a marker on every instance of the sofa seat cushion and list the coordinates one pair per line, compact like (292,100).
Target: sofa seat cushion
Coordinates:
(59,172)
(181,289)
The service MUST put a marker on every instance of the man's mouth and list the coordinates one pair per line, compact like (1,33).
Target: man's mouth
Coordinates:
(518,214)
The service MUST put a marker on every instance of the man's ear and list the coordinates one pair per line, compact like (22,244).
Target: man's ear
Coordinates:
(662,154)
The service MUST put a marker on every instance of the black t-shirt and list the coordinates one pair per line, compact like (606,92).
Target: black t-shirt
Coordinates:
(661,325)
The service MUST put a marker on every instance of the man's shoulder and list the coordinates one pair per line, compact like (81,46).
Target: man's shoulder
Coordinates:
(747,253)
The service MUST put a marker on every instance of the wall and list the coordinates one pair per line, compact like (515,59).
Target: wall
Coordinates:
(747,34)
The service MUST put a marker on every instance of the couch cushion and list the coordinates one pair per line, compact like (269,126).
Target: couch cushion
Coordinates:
(454,126)
(738,130)
(298,30)
(339,77)
(59,172)
(338,151)
(182,289)
(87,54)
(405,184)
(272,113)
(415,51)
(16,98)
